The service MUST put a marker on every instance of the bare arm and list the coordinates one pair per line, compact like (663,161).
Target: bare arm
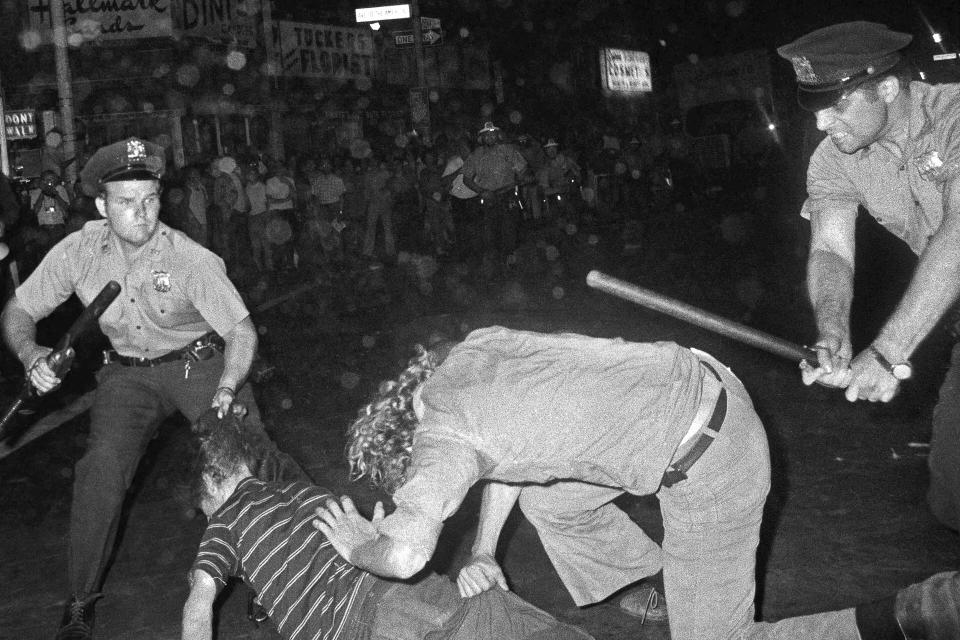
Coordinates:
(20,334)
(240,345)
(198,610)
(830,284)
(481,571)
(934,287)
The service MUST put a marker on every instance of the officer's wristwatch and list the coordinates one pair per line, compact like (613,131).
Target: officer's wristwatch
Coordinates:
(900,371)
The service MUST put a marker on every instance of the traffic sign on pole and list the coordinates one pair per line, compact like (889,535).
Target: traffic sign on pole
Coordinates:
(429,37)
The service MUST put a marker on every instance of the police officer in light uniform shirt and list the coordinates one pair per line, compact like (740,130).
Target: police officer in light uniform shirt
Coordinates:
(182,341)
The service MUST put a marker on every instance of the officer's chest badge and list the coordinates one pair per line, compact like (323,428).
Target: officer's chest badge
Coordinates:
(161,281)
(931,167)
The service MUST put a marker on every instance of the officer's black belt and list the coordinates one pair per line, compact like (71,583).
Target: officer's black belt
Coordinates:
(202,348)
(678,470)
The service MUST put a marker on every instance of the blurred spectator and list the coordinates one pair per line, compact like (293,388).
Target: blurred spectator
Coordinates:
(464,202)
(407,209)
(354,206)
(9,216)
(282,225)
(493,170)
(533,153)
(225,193)
(329,189)
(437,221)
(50,204)
(558,177)
(257,221)
(195,224)
(380,199)
(636,178)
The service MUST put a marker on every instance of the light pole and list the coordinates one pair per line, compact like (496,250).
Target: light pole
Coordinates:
(64,88)
(423,100)
(4,159)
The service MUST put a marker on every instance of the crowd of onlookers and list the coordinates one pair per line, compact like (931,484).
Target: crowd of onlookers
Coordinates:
(306,213)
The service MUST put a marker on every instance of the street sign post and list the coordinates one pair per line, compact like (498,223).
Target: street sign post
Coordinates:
(429,38)
(20,124)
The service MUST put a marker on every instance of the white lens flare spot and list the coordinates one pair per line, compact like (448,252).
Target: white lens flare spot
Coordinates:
(188,75)
(349,380)
(30,39)
(236,60)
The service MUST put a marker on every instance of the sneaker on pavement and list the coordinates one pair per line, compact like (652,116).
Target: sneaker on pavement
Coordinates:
(78,616)
(646,603)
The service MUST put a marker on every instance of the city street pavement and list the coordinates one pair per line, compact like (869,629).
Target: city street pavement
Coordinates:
(846,520)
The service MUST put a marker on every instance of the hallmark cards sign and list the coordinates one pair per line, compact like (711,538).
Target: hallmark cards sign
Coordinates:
(625,71)
(105,19)
(320,51)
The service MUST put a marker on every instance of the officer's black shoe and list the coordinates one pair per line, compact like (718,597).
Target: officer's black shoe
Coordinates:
(77,622)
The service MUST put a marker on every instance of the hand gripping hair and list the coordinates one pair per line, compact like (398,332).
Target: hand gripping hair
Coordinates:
(224,450)
(380,440)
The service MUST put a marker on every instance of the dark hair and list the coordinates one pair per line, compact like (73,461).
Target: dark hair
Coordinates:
(223,448)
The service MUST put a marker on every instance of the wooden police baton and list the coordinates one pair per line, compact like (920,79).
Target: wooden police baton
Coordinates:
(699,317)
(61,357)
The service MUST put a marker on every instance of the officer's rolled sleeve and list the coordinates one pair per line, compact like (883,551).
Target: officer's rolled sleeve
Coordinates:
(828,186)
(214,295)
(441,472)
(53,281)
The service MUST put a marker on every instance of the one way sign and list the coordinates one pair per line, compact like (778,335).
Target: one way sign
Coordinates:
(429,37)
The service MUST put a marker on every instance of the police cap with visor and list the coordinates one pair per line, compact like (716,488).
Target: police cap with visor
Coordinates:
(130,159)
(831,62)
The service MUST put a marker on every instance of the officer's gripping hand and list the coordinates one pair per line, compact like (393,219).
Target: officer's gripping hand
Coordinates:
(39,373)
(481,573)
(223,402)
(833,353)
(870,380)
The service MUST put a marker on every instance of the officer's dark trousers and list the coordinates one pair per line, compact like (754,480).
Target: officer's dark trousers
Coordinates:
(944,493)
(130,405)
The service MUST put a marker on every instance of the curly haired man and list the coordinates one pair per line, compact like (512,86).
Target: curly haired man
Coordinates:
(565,423)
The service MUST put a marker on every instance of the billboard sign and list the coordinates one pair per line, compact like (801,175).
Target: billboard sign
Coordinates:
(227,21)
(624,71)
(320,51)
(123,20)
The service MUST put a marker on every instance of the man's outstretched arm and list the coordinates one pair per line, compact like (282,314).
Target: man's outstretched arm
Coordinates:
(481,571)
(198,610)
(362,545)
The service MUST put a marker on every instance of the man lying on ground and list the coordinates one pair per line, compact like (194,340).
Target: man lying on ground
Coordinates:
(261,532)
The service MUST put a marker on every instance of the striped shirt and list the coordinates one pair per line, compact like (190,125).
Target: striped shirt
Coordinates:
(264,535)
